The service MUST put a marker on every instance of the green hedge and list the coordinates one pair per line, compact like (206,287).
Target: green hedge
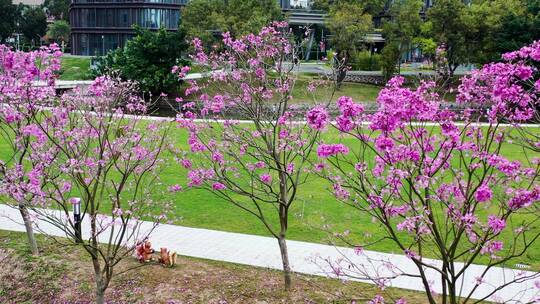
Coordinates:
(365,61)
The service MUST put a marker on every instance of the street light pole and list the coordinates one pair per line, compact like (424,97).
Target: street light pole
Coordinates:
(102,45)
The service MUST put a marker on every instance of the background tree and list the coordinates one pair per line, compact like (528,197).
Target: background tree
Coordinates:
(148,59)
(485,21)
(439,184)
(323,5)
(207,19)
(349,22)
(448,28)
(111,162)
(425,42)
(517,27)
(59,9)
(403,26)
(8,17)
(59,31)
(390,55)
(259,166)
(33,23)
(20,176)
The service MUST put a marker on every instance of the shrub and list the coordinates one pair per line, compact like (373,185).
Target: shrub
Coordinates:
(365,61)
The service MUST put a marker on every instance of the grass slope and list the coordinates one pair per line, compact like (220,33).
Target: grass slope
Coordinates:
(314,217)
(75,68)
(65,275)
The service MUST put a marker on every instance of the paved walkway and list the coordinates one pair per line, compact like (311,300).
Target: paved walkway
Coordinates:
(310,258)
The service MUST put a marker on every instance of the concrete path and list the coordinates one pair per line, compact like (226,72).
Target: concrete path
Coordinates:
(318,68)
(314,259)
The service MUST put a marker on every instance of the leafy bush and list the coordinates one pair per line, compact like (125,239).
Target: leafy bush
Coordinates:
(365,61)
(148,59)
(389,57)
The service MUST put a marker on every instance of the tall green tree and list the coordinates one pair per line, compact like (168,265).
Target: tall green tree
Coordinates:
(517,28)
(59,9)
(8,15)
(148,58)
(479,31)
(59,31)
(448,28)
(484,21)
(403,27)
(348,22)
(207,19)
(33,23)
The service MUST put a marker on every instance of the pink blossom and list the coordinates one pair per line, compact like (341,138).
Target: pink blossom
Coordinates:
(66,187)
(326,150)
(348,107)
(524,72)
(378,299)
(492,247)
(317,118)
(524,198)
(344,123)
(496,224)
(186,163)
(358,250)
(266,178)
(384,143)
(340,192)
(175,188)
(483,193)
(218,186)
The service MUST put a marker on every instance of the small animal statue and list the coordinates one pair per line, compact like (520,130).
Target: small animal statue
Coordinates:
(144,251)
(167,258)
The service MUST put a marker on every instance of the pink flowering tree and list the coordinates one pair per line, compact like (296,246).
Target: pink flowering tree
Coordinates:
(105,153)
(440,186)
(246,146)
(511,90)
(26,83)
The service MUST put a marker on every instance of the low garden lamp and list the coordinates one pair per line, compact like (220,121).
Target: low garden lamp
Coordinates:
(77,218)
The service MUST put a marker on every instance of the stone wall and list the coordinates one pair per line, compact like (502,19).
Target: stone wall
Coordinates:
(369,79)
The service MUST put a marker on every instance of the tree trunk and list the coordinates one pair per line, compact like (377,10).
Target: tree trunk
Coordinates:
(342,73)
(100,282)
(285,260)
(29,229)
(341,61)
(100,296)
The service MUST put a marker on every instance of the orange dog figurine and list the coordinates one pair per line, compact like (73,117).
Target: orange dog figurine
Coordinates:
(167,258)
(144,251)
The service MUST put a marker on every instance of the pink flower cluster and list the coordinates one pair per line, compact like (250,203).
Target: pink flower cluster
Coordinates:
(350,113)
(507,88)
(317,118)
(523,198)
(327,150)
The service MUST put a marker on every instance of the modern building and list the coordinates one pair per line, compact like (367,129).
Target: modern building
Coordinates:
(98,26)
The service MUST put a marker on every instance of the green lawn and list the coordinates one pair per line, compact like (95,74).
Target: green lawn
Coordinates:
(75,68)
(314,217)
(360,92)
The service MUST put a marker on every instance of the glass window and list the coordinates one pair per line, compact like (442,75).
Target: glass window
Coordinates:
(123,18)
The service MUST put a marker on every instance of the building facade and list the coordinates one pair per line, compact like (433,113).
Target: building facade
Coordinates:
(98,26)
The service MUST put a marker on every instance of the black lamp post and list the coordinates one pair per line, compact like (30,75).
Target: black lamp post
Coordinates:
(77,218)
